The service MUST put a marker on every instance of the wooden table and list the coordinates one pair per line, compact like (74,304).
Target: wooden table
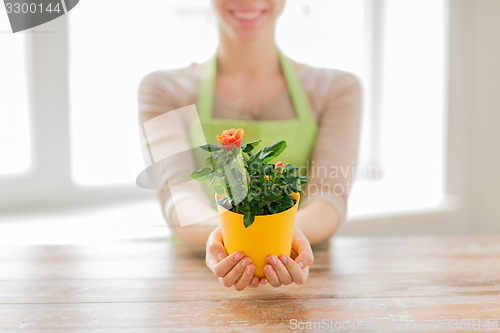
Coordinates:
(153,285)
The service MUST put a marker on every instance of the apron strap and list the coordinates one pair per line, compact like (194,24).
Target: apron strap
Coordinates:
(296,91)
(206,94)
(298,96)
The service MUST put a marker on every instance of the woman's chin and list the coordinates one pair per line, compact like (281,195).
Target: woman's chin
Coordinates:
(248,36)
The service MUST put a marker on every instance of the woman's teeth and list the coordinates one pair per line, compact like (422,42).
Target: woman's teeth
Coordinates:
(246,15)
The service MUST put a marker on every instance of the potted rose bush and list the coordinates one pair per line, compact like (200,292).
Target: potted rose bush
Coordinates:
(257,200)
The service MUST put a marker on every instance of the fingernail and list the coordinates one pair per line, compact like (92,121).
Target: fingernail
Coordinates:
(268,270)
(283,259)
(246,262)
(221,256)
(300,264)
(250,270)
(238,256)
(272,260)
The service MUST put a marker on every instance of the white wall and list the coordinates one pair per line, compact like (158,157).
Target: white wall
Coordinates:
(474,157)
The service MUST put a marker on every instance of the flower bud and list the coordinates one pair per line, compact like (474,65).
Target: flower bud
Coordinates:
(278,168)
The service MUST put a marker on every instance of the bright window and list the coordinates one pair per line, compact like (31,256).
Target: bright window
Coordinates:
(412,110)
(15,145)
(109,60)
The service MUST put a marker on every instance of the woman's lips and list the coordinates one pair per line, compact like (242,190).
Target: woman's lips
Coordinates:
(247,15)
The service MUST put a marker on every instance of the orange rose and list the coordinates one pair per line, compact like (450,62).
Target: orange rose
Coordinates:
(231,138)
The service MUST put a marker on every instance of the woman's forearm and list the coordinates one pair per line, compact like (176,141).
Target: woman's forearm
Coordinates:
(205,219)
(318,220)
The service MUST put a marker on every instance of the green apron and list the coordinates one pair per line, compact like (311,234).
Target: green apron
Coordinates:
(299,133)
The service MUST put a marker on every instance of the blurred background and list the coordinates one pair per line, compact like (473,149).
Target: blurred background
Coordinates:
(429,160)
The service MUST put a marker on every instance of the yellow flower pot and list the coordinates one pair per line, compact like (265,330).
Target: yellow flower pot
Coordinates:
(269,234)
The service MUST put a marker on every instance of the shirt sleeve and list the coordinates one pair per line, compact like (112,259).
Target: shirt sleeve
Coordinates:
(333,164)
(160,93)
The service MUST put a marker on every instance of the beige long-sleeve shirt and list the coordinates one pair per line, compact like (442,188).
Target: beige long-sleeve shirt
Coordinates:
(335,100)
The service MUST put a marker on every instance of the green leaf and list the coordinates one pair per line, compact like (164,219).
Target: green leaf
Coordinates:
(236,177)
(291,169)
(217,183)
(295,187)
(224,202)
(248,219)
(304,180)
(202,175)
(220,190)
(250,146)
(273,209)
(211,147)
(272,151)
(273,197)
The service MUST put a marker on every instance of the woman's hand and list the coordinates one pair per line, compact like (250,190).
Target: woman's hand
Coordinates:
(232,270)
(286,270)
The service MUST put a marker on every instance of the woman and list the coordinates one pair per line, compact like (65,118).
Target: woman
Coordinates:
(250,82)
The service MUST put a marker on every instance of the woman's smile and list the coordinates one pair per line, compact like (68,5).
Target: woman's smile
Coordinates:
(247,16)
(248,19)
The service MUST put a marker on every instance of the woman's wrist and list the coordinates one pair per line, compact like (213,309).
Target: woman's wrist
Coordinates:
(318,220)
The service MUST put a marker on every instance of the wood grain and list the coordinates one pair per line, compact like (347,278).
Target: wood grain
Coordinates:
(443,283)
